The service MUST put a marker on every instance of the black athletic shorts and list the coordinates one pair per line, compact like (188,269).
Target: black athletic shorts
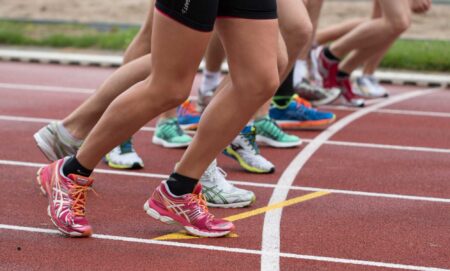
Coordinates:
(201,14)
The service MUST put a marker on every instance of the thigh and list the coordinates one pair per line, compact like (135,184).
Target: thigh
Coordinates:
(251,47)
(177,48)
(392,10)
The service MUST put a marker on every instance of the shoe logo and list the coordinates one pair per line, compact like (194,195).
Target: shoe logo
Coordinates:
(185,8)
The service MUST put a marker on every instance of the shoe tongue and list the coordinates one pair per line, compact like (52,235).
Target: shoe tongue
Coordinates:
(81,180)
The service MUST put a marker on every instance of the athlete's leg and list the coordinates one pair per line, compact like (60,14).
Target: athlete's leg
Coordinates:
(395,20)
(336,31)
(253,81)
(174,66)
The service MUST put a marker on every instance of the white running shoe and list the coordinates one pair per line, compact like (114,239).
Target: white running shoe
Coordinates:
(369,87)
(55,142)
(220,193)
(124,157)
(244,150)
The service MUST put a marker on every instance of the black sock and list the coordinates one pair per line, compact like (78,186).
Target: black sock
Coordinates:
(180,185)
(285,91)
(342,75)
(72,166)
(329,54)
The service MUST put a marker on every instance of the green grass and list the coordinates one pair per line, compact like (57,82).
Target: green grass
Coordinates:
(421,55)
(63,36)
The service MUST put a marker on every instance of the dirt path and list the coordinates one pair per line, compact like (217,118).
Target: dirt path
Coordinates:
(435,24)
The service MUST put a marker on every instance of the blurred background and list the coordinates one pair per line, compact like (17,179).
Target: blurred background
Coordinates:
(99,25)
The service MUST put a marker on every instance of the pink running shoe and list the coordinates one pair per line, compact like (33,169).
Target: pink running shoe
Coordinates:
(189,210)
(66,199)
(350,98)
(328,70)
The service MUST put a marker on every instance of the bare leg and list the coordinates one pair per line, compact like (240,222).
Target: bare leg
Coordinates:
(334,32)
(174,66)
(244,41)
(395,20)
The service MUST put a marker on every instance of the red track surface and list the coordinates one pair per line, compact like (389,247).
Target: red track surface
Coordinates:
(383,231)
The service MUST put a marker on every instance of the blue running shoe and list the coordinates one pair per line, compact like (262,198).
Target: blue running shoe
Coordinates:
(188,116)
(298,113)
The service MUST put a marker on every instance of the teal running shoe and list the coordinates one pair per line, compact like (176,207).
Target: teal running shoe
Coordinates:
(269,133)
(170,135)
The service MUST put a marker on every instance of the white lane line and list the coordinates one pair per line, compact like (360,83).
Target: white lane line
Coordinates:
(392,111)
(307,140)
(45,88)
(272,219)
(230,249)
(251,184)
(327,107)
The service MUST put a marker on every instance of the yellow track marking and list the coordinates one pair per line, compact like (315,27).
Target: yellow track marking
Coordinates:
(183,235)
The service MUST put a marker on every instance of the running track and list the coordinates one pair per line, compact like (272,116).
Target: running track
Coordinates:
(372,192)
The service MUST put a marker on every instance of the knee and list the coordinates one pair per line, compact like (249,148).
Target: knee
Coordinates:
(261,88)
(170,93)
(399,24)
(296,36)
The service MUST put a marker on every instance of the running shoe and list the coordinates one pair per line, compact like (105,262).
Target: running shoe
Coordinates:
(315,94)
(349,97)
(204,98)
(369,87)
(170,135)
(299,114)
(55,143)
(314,64)
(189,211)
(66,199)
(245,150)
(124,157)
(220,193)
(188,116)
(269,133)
(328,69)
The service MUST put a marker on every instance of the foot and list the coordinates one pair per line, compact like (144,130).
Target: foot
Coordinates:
(124,157)
(369,87)
(244,150)
(66,199)
(204,98)
(188,116)
(54,144)
(328,69)
(220,193)
(315,94)
(170,135)
(349,97)
(189,211)
(298,113)
(269,133)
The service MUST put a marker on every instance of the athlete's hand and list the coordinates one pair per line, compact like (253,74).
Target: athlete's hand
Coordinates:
(420,6)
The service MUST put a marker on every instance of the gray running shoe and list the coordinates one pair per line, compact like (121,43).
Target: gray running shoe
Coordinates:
(54,144)
(316,94)
(220,193)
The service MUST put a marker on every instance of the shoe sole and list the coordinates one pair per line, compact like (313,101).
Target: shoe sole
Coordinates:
(45,148)
(118,166)
(165,144)
(327,101)
(192,127)
(170,221)
(232,154)
(231,205)
(39,182)
(277,144)
(305,124)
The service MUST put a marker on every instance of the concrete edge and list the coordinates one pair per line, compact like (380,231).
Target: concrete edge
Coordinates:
(387,77)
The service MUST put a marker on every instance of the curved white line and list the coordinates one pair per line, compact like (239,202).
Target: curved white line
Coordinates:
(270,260)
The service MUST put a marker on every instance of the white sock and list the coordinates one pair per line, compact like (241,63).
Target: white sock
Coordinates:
(300,71)
(210,80)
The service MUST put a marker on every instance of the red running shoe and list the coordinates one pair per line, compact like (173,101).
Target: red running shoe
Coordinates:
(328,69)
(190,211)
(66,199)
(350,98)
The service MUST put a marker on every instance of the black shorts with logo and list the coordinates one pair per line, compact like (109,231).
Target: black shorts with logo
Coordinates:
(201,14)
